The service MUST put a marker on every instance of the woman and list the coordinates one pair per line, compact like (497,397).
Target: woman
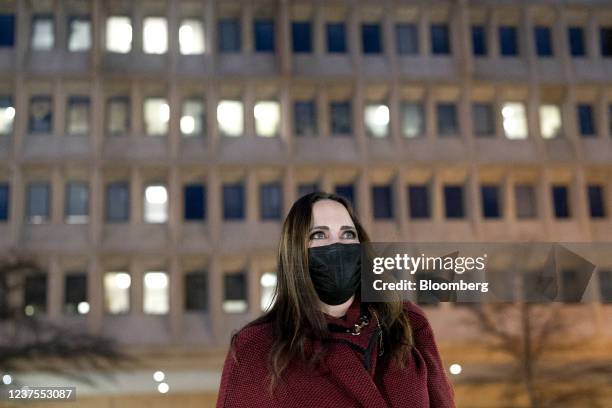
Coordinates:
(319,345)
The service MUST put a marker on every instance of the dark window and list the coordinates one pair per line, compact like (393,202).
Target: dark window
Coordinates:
(341,118)
(597,207)
(453,202)
(7,30)
(41,114)
(407,38)
(305,118)
(336,37)
(560,196)
(307,188)
(382,202)
(38,201)
(586,123)
(271,201)
(447,119)
(233,201)
(35,293)
(75,292)
(576,41)
(117,202)
(229,35)
(235,286)
(483,119)
(371,39)
(571,287)
(5,201)
(413,119)
(418,199)
(301,34)
(479,40)
(490,201)
(264,36)
(543,40)
(605,285)
(605,39)
(610,118)
(440,39)
(524,195)
(508,41)
(196,291)
(347,191)
(77,199)
(195,202)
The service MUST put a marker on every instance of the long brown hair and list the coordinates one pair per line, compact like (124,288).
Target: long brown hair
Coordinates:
(295,317)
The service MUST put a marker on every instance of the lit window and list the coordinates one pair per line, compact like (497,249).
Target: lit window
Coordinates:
(230,118)
(78,115)
(117,292)
(155,35)
(376,118)
(75,294)
(119,34)
(156,115)
(38,202)
(191,37)
(77,202)
(413,121)
(235,293)
(43,37)
(267,118)
(7,115)
(156,204)
(550,121)
(118,115)
(514,120)
(155,297)
(41,114)
(80,35)
(192,118)
(268,283)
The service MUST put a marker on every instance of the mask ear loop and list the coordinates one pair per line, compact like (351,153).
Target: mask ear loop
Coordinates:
(380,338)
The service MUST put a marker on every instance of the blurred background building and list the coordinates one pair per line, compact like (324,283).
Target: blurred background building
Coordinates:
(149,151)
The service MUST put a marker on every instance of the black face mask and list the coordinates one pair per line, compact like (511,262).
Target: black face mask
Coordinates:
(335,271)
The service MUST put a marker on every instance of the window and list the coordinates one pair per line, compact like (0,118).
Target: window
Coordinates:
(305,118)
(35,294)
(5,201)
(229,35)
(479,40)
(156,204)
(230,118)
(413,121)
(347,191)
(268,284)
(440,40)
(7,115)
(301,36)
(196,291)
(382,202)
(264,35)
(543,41)
(77,202)
(43,36)
(524,195)
(560,198)
(117,292)
(118,115)
(155,296)
(605,285)
(596,201)
(38,202)
(550,121)
(508,41)
(447,119)
(376,117)
(576,41)
(483,119)
(336,37)
(307,188)
(341,118)
(605,39)
(7,30)
(41,114)
(191,37)
(490,201)
(407,39)
(267,118)
(192,118)
(586,124)
(78,115)
(156,116)
(571,287)
(371,41)
(514,120)
(453,201)
(233,201)
(194,201)
(418,201)
(270,201)
(155,35)
(119,34)
(79,38)
(75,293)
(235,293)
(117,202)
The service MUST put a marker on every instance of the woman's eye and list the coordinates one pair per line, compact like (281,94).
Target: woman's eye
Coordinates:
(350,235)
(317,235)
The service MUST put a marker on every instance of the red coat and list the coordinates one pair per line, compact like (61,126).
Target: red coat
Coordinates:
(349,378)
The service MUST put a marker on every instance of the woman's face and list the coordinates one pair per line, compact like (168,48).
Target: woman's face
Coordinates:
(331,223)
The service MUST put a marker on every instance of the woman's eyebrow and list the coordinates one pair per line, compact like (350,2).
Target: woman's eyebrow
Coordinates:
(325,227)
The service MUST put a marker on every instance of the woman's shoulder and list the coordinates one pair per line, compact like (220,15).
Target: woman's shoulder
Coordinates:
(253,334)
(418,318)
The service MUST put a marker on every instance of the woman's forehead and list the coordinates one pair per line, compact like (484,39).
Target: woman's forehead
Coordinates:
(330,213)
